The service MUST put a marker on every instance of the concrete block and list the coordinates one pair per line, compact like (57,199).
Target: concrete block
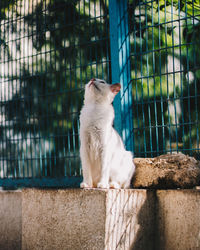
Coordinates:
(87,219)
(10,220)
(63,219)
(129,220)
(178,220)
(97,219)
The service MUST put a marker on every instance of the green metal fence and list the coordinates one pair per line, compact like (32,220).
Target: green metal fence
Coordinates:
(51,48)
(165,74)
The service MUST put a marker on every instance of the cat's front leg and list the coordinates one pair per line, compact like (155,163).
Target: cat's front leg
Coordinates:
(105,170)
(86,168)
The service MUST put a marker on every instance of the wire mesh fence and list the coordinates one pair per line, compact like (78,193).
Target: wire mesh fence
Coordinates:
(51,48)
(165,74)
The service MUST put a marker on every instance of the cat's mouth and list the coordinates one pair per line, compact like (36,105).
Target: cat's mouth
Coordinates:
(93,84)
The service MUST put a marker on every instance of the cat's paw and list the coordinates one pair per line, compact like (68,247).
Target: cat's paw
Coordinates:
(102,185)
(114,185)
(85,185)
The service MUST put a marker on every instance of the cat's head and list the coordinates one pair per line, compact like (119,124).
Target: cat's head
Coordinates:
(98,91)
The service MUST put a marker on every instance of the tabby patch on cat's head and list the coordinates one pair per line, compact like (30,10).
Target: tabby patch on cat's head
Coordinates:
(98,91)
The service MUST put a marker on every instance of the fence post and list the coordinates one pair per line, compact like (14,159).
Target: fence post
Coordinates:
(114,50)
(121,70)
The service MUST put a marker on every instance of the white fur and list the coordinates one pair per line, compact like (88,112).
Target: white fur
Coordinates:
(105,162)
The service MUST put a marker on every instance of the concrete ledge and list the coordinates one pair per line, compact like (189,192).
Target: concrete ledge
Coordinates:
(86,219)
(100,219)
(63,219)
(10,220)
(129,219)
(178,220)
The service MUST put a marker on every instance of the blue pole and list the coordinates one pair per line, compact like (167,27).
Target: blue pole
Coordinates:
(121,69)
(114,49)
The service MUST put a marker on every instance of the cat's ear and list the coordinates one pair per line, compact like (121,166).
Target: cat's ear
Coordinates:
(115,88)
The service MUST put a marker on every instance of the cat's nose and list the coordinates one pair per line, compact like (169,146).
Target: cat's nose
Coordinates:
(92,81)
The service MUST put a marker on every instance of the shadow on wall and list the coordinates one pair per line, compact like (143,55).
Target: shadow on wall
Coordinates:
(130,220)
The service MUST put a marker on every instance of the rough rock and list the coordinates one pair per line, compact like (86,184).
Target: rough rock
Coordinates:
(167,171)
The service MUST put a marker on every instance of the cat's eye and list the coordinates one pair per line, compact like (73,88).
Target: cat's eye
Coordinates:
(102,82)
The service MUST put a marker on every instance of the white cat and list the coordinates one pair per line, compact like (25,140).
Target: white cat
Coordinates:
(105,162)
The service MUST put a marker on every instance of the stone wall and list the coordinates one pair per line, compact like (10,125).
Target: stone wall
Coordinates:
(100,219)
